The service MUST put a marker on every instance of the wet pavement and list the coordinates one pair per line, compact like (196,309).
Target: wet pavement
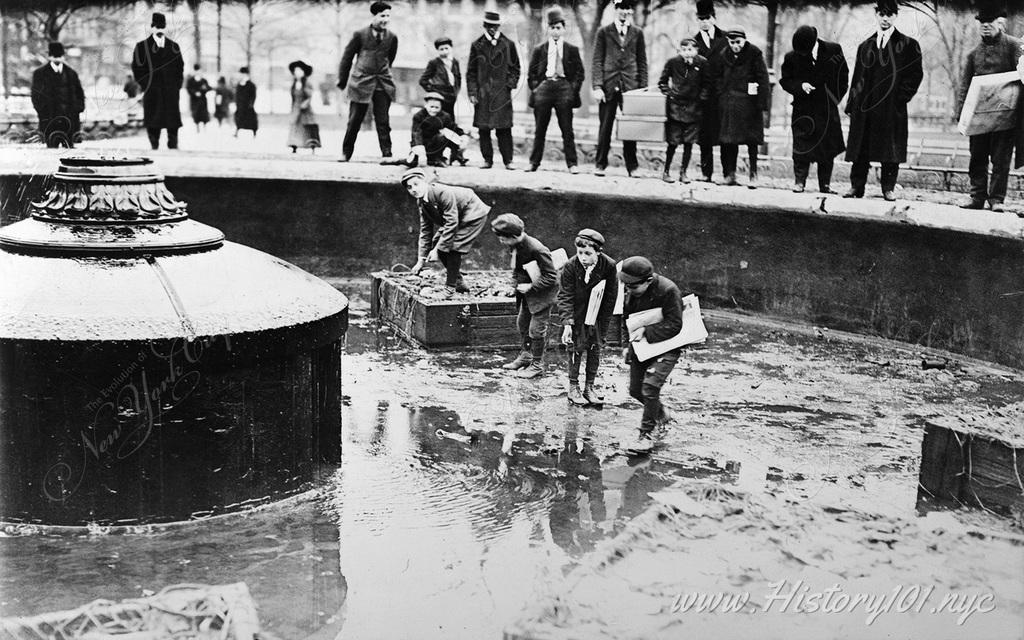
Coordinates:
(464,493)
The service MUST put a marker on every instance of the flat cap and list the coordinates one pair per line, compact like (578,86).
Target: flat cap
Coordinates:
(443,40)
(378,7)
(433,95)
(508,224)
(886,7)
(412,173)
(636,269)
(736,32)
(593,236)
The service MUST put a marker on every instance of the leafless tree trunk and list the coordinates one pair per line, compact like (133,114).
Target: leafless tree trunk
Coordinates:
(220,25)
(197,41)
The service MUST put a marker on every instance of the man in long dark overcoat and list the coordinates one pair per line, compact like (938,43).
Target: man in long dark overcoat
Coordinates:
(197,87)
(619,65)
(886,75)
(58,99)
(711,42)
(159,68)
(816,74)
(492,74)
(998,52)
(741,83)
(555,77)
(373,49)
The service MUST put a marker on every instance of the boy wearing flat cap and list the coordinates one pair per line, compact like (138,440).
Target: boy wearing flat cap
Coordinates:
(58,99)
(373,50)
(433,131)
(646,290)
(580,275)
(451,218)
(443,76)
(534,297)
(159,68)
(685,82)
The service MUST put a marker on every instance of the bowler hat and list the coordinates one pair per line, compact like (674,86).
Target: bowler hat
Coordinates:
(508,224)
(301,65)
(736,32)
(705,8)
(555,16)
(989,10)
(379,6)
(159,21)
(592,236)
(886,7)
(492,18)
(804,38)
(636,269)
(55,50)
(243,70)
(440,42)
(412,173)
(433,95)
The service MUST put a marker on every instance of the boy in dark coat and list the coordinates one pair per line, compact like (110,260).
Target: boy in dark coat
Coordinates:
(741,84)
(684,81)
(534,298)
(159,68)
(245,104)
(433,131)
(58,99)
(886,75)
(442,75)
(815,73)
(648,290)
(451,218)
(366,70)
(555,77)
(580,275)
(711,42)
(491,76)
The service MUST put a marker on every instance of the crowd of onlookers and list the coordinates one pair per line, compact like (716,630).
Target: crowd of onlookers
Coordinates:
(716,93)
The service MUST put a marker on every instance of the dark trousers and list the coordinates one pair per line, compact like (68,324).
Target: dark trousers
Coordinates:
(452,261)
(533,328)
(357,111)
(731,152)
(504,144)
(670,152)
(996,147)
(435,149)
(606,114)
(802,168)
(707,160)
(56,132)
(448,106)
(592,353)
(859,175)
(645,382)
(154,137)
(556,95)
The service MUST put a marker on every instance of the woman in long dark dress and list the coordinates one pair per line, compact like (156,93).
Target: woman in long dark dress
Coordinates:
(304,130)
(245,104)
(222,101)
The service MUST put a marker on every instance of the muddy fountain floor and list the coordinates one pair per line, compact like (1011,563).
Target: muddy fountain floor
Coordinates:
(420,535)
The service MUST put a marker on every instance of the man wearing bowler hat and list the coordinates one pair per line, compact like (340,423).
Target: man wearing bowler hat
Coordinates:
(711,42)
(492,74)
(886,75)
(646,290)
(373,49)
(997,53)
(555,77)
(159,68)
(58,99)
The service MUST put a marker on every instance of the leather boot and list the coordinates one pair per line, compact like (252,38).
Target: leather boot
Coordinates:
(575,395)
(590,394)
(536,366)
(522,360)
(667,177)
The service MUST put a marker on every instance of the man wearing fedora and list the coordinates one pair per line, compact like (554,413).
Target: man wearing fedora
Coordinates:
(373,51)
(555,77)
(997,53)
(158,66)
(619,65)
(58,99)
(886,75)
(711,42)
(492,74)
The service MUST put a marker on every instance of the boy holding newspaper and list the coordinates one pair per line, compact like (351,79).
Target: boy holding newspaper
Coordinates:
(535,280)
(586,300)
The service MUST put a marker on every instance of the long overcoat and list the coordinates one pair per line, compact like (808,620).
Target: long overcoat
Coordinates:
(245,106)
(301,115)
(160,71)
(371,68)
(817,131)
(883,83)
(58,100)
(741,116)
(686,88)
(492,74)
(574,298)
(197,89)
(709,118)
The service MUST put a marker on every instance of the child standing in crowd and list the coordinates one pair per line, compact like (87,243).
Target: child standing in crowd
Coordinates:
(443,76)
(685,83)
(580,276)
(433,131)
(535,293)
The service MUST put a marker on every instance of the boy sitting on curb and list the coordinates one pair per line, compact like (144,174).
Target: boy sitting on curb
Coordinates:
(433,131)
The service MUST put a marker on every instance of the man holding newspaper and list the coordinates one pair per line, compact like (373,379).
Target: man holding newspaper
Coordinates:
(653,318)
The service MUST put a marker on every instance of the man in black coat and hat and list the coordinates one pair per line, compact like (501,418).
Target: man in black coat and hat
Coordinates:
(998,52)
(619,65)
(711,42)
(741,83)
(815,73)
(159,68)
(492,74)
(886,75)
(58,99)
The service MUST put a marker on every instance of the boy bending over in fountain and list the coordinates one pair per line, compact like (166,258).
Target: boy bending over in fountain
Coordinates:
(583,330)
(536,285)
